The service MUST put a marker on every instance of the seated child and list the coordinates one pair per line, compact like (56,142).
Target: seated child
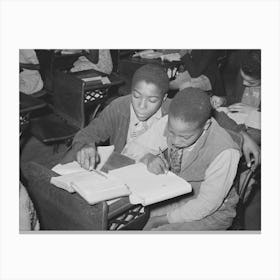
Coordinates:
(249,97)
(246,101)
(204,154)
(127,117)
(30,80)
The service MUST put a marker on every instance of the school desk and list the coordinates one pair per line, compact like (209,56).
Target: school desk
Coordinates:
(28,103)
(76,100)
(60,210)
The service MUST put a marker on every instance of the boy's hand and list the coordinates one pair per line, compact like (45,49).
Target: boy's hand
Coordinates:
(251,151)
(217,101)
(87,157)
(157,164)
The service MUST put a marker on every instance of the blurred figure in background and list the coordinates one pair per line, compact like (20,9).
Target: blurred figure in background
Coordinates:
(30,80)
(200,70)
(99,60)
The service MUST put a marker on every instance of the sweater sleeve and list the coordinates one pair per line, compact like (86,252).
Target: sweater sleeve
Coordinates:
(99,129)
(226,122)
(219,178)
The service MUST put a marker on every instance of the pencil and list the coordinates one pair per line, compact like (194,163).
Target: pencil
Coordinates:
(99,173)
(163,157)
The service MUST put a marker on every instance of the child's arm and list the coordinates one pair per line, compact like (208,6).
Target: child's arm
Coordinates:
(213,190)
(249,148)
(99,129)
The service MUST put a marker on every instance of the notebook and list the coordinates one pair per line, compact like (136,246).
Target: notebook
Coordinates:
(147,188)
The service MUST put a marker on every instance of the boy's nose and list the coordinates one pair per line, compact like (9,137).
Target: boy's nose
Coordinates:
(142,104)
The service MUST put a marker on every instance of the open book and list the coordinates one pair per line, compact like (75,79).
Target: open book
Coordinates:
(94,186)
(147,188)
(134,181)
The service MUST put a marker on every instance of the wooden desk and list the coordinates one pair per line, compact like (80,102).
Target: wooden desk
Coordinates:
(60,210)
(87,94)
(28,103)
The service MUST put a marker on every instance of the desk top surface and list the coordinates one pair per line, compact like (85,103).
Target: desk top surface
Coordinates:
(164,63)
(95,84)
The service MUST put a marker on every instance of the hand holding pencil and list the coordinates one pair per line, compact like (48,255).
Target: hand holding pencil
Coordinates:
(158,164)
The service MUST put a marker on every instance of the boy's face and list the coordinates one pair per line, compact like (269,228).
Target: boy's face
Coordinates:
(249,81)
(146,99)
(182,134)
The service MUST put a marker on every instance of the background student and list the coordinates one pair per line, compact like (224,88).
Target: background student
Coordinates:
(247,95)
(99,60)
(200,70)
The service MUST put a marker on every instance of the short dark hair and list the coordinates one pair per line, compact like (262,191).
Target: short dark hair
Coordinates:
(152,73)
(191,105)
(251,64)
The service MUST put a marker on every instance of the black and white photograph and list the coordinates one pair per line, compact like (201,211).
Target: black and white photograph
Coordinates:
(147,140)
(139,139)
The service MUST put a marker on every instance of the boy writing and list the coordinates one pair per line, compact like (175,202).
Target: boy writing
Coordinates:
(204,154)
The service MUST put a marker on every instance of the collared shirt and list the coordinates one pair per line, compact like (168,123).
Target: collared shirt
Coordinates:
(137,127)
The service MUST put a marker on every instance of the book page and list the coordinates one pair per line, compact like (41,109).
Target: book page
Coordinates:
(148,188)
(94,186)
(73,167)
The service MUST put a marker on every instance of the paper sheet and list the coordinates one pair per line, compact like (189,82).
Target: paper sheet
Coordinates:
(147,188)
(72,167)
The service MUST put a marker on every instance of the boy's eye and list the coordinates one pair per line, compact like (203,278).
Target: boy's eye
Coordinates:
(153,100)
(136,95)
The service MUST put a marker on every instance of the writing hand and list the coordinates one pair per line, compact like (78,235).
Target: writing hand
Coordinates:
(157,165)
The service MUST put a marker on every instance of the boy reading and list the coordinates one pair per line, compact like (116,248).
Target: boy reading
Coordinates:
(126,118)
(204,154)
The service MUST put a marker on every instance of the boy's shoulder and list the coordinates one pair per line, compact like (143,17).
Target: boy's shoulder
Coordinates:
(165,106)
(121,104)
(221,136)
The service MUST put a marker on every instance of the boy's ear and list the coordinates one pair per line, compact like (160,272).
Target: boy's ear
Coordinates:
(207,124)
